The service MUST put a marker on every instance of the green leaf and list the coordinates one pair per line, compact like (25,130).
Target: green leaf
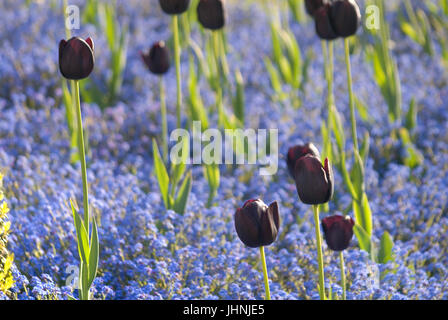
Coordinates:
(94,253)
(212,175)
(161,173)
(338,129)
(364,240)
(357,174)
(182,196)
(81,234)
(238,101)
(385,250)
(362,109)
(411,116)
(364,153)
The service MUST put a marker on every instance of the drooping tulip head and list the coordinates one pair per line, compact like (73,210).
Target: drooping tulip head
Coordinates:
(256,223)
(311,6)
(323,24)
(76,59)
(157,59)
(211,14)
(345,17)
(338,231)
(174,6)
(314,181)
(297,152)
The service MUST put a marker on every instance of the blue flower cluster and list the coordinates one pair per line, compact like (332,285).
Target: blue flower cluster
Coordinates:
(147,252)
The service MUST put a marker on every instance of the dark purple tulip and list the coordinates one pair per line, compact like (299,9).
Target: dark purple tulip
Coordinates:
(338,231)
(314,182)
(257,224)
(174,6)
(311,6)
(297,152)
(345,17)
(157,59)
(211,14)
(76,58)
(324,27)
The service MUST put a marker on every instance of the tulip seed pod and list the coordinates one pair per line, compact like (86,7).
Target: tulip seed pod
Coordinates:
(297,152)
(324,27)
(157,59)
(338,231)
(76,59)
(345,17)
(211,14)
(312,6)
(314,182)
(257,224)
(174,6)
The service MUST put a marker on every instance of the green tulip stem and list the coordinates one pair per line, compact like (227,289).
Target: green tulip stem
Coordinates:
(164,121)
(351,95)
(265,274)
(341,259)
(177,62)
(320,259)
(219,98)
(82,157)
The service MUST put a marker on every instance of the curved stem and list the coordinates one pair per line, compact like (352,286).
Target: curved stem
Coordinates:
(82,157)
(341,259)
(265,274)
(177,62)
(164,121)
(351,96)
(320,259)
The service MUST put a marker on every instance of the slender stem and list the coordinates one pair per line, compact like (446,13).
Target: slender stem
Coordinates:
(351,96)
(265,274)
(164,121)
(341,259)
(320,259)
(177,62)
(215,38)
(82,157)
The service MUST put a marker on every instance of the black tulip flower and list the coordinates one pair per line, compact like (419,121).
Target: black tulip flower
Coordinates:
(211,14)
(257,224)
(314,181)
(312,6)
(345,17)
(157,59)
(324,26)
(174,6)
(76,59)
(297,152)
(338,231)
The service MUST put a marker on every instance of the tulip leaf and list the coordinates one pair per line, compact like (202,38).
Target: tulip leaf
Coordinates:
(364,240)
(363,214)
(238,101)
(411,116)
(161,173)
(81,234)
(364,152)
(94,253)
(357,174)
(182,196)
(386,247)
(197,109)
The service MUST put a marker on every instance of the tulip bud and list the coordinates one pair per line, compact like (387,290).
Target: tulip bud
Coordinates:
(297,152)
(314,182)
(257,224)
(76,58)
(345,17)
(174,6)
(338,231)
(324,28)
(211,14)
(312,6)
(157,59)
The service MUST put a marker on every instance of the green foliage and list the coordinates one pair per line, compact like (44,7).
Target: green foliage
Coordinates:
(168,185)
(6,258)
(386,247)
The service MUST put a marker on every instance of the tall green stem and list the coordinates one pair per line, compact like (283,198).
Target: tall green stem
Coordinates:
(341,259)
(219,99)
(351,96)
(177,62)
(320,258)
(265,274)
(82,157)
(164,121)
